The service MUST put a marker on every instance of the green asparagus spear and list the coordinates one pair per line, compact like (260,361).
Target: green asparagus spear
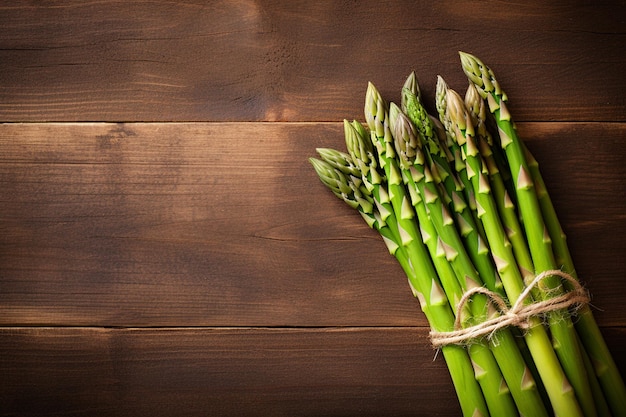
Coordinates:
(421,276)
(445,176)
(460,206)
(505,349)
(489,376)
(561,326)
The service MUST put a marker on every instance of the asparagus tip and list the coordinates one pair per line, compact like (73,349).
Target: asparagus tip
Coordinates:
(456,108)
(320,166)
(440,94)
(412,85)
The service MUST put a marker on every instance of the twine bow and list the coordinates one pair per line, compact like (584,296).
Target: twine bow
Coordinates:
(517,315)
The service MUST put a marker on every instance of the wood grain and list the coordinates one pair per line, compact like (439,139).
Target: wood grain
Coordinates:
(299,60)
(165,247)
(227,225)
(228,372)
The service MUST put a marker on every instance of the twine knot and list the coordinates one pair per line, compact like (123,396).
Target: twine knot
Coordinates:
(517,315)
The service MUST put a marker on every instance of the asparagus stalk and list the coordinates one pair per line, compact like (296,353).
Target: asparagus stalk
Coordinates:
(459,207)
(503,194)
(485,362)
(482,358)
(508,212)
(444,175)
(505,349)
(593,343)
(420,273)
(474,235)
(558,387)
(499,400)
(539,241)
(505,203)
(455,151)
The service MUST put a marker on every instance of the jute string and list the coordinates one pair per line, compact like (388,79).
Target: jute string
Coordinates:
(517,315)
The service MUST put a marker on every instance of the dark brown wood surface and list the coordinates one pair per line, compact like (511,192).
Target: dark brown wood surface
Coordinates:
(165,246)
(300,60)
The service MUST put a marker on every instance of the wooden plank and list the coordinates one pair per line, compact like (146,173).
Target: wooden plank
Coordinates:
(220,372)
(299,60)
(181,224)
(228,372)
(226,224)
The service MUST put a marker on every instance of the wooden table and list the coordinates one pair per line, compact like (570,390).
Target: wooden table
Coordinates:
(167,250)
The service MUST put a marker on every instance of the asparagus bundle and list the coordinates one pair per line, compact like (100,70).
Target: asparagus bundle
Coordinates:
(459,201)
